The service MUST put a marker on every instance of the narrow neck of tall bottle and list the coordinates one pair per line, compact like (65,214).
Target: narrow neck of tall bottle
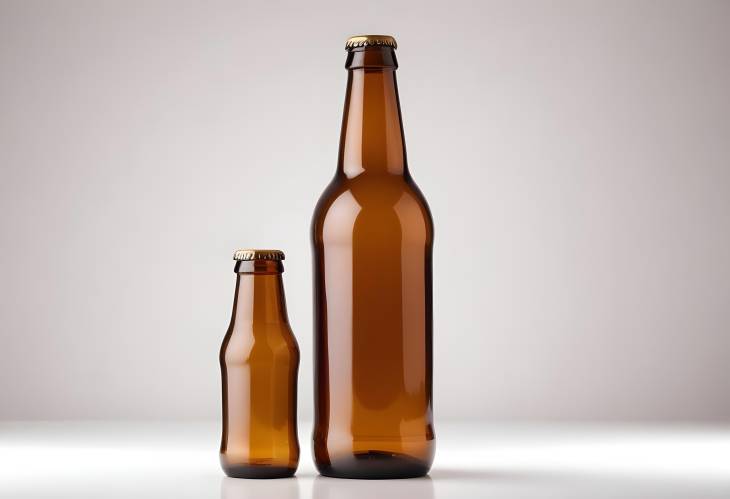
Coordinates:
(260,294)
(372,130)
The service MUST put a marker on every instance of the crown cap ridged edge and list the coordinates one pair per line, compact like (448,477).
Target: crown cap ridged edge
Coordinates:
(370,41)
(258,254)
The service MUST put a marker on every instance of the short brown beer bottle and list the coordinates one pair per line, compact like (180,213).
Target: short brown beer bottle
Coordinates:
(259,362)
(372,236)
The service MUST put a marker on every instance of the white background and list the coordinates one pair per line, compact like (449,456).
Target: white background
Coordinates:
(576,157)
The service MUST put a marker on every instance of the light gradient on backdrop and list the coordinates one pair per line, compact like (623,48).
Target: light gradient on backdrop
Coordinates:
(576,156)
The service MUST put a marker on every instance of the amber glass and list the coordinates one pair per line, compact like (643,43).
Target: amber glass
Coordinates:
(259,361)
(372,236)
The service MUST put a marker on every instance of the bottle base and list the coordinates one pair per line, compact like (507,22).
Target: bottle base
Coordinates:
(374,465)
(258,471)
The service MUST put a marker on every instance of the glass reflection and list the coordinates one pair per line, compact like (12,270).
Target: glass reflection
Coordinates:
(280,488)
(336,488)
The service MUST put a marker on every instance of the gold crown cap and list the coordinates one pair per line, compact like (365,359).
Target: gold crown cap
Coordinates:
(370,41)
(258,254)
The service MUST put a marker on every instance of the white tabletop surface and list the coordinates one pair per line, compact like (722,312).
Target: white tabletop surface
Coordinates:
(179,460)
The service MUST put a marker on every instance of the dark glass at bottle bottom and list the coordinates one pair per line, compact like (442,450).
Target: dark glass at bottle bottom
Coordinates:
(374,465)
(257,471)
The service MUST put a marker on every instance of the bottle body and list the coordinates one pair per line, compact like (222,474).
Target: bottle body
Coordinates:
(372,238)
(259,361)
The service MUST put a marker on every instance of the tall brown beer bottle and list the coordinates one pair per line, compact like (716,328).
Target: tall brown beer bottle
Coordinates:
(372,235)
(259,360)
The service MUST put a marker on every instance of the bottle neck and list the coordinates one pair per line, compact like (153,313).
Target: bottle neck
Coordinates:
(259,293)
(372,130)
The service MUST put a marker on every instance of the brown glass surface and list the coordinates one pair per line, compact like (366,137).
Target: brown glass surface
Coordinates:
(372,236)
(259,361)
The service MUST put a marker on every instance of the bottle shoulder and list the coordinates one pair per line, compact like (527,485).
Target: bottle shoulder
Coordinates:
(247,342)
(369,200)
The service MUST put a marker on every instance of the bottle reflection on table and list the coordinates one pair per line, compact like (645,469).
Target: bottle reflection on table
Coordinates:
(279,488)
(337,488)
